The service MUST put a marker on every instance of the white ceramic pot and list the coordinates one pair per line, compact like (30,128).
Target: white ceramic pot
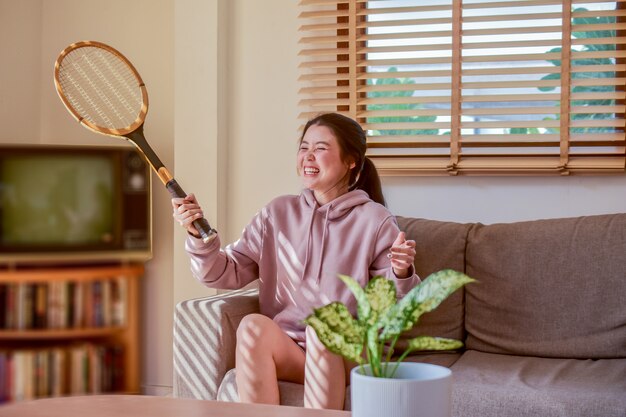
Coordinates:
(416,390)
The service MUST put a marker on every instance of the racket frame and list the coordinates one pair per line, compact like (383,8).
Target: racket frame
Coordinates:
(141,117)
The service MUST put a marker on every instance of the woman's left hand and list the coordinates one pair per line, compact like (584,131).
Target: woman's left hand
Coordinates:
(402,255)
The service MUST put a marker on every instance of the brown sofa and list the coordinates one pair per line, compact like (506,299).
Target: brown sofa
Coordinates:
(544,329)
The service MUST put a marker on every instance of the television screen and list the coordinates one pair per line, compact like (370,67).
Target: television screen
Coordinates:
(56,200)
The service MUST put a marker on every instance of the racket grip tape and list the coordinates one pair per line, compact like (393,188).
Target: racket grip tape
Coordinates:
(202,225)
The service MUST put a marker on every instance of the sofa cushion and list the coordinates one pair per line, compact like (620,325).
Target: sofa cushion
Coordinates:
(446,359)
(439,245)
(291,393)
(550,288)
(486,384)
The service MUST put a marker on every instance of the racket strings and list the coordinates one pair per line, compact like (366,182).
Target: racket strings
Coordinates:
(129,84)
(95,84)
(101,87)
(84,97)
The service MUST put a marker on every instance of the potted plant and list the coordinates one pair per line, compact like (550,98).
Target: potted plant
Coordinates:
(378,384)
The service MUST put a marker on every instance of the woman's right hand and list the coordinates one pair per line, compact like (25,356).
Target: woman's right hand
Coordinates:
(186,211)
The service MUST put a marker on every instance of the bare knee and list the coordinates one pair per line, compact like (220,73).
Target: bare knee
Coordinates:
(314,345)
(311,336)
(252,324)
(252,332)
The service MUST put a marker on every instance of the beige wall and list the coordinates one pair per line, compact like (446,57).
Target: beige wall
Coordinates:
(504,199)
(262,111)
(200,146)
(222,79)
(20,48)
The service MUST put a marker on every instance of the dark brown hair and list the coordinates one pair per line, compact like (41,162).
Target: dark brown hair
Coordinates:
(352,142)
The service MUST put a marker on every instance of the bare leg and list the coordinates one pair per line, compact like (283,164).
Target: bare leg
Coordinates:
(264,355)
(325,375)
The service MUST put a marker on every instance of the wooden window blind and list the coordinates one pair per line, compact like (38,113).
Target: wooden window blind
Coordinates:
(472,86)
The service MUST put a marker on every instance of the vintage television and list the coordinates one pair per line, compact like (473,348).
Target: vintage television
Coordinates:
(74,203)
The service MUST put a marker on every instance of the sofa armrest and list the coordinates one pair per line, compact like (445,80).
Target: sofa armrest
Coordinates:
(204,341)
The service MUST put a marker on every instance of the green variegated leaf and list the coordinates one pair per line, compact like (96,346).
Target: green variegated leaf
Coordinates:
(338,331)
(363,305)
(374,355)
(392,323)
(423,298)
(339,320)
(433,343)
(381,294)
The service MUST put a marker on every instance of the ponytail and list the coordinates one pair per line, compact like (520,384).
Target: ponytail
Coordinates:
(369,181)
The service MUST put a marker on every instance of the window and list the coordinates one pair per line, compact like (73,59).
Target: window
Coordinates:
(472,86)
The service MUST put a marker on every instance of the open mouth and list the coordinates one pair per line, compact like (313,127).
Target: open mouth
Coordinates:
(311,171)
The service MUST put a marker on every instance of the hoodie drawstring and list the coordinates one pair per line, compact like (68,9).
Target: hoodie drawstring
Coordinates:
(308,245)
(318,274)
(318,271)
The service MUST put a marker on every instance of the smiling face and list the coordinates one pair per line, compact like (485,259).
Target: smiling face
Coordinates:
(320,164)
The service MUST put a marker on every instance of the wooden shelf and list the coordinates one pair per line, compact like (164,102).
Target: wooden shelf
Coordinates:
(47,334)
(123,334)
(81,273)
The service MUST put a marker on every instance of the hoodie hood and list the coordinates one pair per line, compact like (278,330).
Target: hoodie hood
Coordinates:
(338,207)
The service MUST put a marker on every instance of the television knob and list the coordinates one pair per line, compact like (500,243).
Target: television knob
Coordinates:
(137,182)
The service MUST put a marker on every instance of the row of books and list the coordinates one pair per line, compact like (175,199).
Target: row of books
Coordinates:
(63,304)
(82,369)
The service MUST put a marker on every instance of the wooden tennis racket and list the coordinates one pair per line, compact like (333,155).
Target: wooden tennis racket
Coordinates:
(105,93)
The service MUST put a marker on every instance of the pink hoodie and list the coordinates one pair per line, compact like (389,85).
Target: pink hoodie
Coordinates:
(296,248)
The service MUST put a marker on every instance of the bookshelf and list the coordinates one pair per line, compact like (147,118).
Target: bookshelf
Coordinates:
(69,330)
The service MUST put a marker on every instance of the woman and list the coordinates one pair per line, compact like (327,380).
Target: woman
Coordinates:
(296,246)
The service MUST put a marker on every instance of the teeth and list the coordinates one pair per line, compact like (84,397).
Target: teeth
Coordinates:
(311,170)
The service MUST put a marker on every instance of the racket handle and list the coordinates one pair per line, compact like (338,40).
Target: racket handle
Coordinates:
(202,225)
